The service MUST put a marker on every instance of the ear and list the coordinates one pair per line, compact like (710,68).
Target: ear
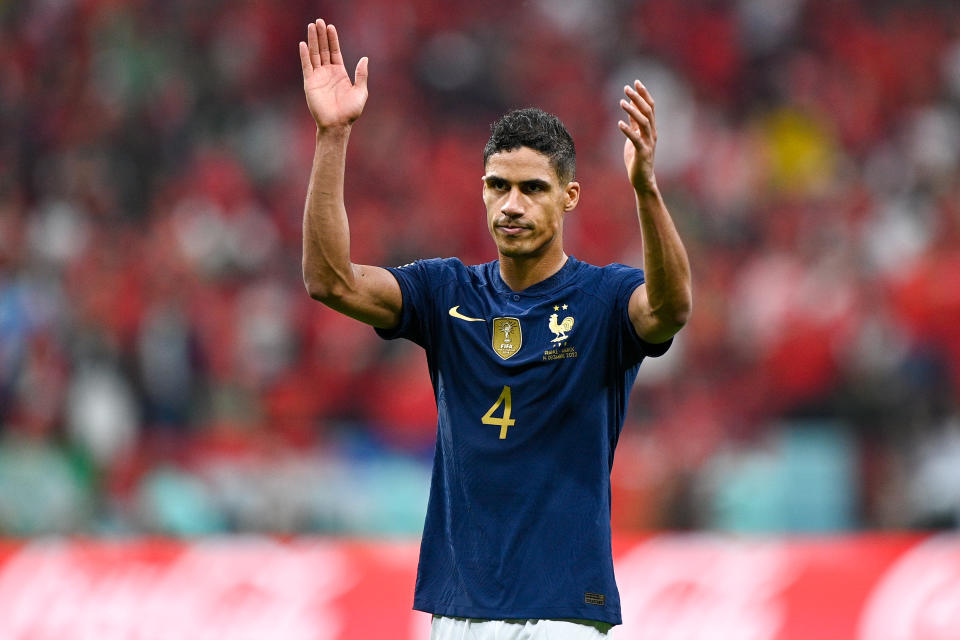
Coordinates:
(571,196)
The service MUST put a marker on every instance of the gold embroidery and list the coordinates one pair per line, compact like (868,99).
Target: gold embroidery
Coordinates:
(560,329)
(507,337)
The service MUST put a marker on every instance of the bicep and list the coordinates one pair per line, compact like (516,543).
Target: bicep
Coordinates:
(648,326)
(374,298)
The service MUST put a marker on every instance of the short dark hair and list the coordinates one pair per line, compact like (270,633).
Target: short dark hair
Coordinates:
(538,130)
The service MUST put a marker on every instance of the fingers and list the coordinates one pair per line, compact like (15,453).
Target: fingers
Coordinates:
(639,123)
(323,48)
(640,109)
(361,74)
(335,56)
(637,118)
(323,41)
(323,44)
(631,133)
(641,96)
(305,63)
(313,45)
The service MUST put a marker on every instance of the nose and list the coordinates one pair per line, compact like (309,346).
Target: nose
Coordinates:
(513,206)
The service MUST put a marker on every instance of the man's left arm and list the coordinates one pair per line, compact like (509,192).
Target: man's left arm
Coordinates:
(661,306)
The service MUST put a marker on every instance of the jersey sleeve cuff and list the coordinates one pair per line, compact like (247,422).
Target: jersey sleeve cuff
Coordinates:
(654,350)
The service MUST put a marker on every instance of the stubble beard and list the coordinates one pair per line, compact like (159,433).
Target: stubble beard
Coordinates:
(524,248)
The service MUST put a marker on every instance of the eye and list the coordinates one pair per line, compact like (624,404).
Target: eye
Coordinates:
(533,187)
(497,184)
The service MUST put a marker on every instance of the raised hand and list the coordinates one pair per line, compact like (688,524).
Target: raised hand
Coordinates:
(641,132)
(333,100)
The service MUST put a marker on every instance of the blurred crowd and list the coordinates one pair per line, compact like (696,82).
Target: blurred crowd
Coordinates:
(162,369)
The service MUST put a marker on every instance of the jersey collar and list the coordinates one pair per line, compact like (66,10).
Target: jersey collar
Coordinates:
(542,287)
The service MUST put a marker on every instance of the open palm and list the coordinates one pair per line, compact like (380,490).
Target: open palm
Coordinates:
(332,98)
(641,132)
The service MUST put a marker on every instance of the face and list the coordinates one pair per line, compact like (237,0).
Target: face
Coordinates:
(525,203)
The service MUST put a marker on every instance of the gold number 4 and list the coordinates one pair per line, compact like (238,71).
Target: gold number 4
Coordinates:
(503,421)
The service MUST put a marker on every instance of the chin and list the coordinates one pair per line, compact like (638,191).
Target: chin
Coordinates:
(517,250)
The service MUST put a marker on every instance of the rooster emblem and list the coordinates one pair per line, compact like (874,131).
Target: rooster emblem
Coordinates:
(560,329)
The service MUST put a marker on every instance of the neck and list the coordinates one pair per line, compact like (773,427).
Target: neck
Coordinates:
(522,272)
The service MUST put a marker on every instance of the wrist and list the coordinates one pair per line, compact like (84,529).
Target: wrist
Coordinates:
(647,188)
(333,133)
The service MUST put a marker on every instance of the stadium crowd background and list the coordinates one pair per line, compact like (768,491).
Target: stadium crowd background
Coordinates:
(162,369)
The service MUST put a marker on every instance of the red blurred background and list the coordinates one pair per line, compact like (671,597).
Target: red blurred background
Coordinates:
(163,371)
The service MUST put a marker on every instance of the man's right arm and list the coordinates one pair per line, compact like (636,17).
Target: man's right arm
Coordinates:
(369,294)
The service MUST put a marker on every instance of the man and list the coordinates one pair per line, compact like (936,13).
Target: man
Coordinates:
(531,357)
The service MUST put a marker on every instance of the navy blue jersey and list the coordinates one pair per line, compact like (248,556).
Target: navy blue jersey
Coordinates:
(531,389)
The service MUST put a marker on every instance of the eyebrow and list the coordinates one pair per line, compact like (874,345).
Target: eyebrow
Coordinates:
(533,182)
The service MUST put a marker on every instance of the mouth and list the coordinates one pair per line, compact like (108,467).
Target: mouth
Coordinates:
(511,229)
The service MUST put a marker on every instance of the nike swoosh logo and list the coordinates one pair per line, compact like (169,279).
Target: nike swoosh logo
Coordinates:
(460,316)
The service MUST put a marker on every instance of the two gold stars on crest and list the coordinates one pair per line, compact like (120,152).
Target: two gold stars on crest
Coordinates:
(557,307)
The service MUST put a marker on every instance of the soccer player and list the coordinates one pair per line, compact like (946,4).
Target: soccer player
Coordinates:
(531,356)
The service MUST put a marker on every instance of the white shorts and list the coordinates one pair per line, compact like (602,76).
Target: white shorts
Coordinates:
(445,628)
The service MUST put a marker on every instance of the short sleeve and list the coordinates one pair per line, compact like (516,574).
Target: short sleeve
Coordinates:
(415,280)
(633,347)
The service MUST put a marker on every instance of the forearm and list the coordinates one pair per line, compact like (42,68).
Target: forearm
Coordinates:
(665,263)
(327,269)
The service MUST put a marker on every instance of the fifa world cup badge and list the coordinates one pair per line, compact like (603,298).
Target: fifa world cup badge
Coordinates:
(507,337)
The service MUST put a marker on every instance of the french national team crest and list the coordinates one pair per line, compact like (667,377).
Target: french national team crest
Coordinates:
(560,329)
(507,337)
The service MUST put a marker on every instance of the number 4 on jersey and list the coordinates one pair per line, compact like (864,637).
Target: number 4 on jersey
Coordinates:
(503,421)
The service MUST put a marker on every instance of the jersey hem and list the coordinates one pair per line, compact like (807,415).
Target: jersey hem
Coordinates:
(538,613)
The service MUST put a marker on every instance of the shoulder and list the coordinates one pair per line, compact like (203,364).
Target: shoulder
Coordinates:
(434,269)
(610,287)
(611,279)
(439,272)
(616,270)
